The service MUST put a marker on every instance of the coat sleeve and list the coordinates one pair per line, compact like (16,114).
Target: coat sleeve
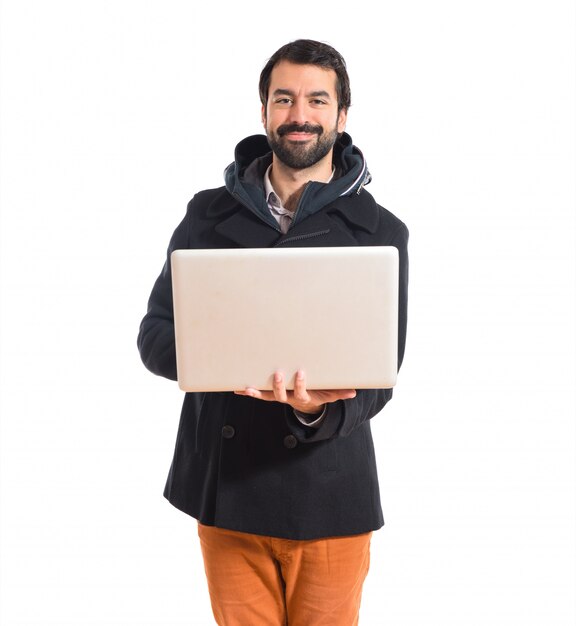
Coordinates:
(343,416)
(156,336)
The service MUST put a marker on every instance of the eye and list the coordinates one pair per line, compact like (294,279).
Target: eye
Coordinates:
(282,101)
(318,102)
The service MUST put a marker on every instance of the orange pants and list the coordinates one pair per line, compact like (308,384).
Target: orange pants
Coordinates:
(264,581)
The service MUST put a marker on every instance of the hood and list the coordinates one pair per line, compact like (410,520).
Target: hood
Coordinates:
(244,177)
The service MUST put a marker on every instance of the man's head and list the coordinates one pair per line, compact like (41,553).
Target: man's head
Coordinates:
(309,52)
(305,94)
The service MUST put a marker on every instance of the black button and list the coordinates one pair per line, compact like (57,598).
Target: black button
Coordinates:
(228,431)
(290,441)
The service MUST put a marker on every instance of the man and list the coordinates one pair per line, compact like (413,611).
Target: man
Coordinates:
(282,483)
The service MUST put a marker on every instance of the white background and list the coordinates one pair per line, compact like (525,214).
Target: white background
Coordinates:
(114,113)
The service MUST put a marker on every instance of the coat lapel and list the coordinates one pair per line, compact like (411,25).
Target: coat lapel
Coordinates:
(246,230)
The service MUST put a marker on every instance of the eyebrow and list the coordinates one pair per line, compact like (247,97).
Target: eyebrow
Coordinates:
(311,94)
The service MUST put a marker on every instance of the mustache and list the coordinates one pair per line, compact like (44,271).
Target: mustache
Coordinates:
(299,128)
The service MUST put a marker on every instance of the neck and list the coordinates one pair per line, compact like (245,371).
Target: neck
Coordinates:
(289,183)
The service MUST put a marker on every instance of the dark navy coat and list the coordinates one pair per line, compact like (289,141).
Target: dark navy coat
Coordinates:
(249,465)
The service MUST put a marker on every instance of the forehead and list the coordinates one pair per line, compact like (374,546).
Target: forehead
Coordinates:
(302,78)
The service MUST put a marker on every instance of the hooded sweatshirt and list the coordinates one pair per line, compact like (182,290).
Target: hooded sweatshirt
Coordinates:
(244,178)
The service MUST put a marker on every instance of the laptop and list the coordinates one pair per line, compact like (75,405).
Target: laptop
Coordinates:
(242,314)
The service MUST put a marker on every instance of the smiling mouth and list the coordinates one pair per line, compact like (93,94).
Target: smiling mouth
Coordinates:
(299,136)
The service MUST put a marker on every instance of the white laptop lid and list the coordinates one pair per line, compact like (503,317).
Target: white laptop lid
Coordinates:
(242,314)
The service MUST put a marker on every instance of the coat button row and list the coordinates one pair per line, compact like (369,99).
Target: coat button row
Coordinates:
(228,431)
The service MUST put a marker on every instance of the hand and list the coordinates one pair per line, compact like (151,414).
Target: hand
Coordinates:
(301,399)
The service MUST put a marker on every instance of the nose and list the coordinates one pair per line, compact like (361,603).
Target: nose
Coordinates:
(298,111)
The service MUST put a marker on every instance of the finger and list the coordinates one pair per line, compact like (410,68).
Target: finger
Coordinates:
(279,388)
(300,391)
(256,393)
(331,395)
(341,394)
(347,393)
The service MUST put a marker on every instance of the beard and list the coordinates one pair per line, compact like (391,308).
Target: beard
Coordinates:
(299,155)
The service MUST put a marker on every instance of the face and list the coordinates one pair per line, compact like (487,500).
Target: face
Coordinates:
(301,118)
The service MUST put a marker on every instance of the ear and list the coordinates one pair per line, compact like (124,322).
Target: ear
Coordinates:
(342,118)
(263,113)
